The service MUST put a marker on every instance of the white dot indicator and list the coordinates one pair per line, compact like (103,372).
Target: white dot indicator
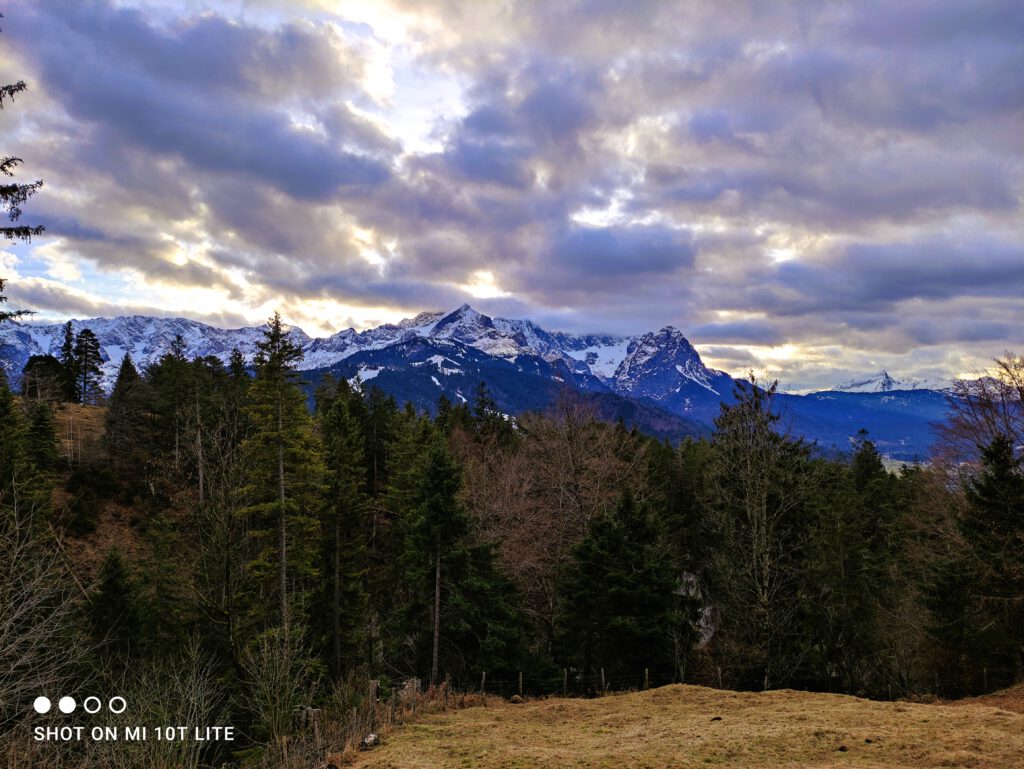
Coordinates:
(92,705)
(66,704)
(41,705)
(114,709)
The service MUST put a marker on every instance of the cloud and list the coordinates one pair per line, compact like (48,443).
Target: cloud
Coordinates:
(846,179)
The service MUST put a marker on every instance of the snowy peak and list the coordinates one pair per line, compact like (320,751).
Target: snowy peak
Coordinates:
(658,364)
(882,382)
(144,338)
(463,325)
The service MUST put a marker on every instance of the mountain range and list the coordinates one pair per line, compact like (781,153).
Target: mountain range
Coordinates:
(656,381)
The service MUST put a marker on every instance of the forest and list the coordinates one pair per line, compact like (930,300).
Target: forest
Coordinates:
(228,549)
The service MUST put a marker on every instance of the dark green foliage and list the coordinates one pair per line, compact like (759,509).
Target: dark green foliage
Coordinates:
(41,437)
(128,419)
(623,606)
(371,541)
(343,599)
(14,460)
(87,360)
(69,364)
(457,613)
(114,608)
(283,491)
(88,486)
(991,576)
(758,487)
(852,555)
(168,379)
(14,194)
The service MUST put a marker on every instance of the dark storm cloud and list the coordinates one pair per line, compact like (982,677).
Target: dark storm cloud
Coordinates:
(609,253)
(867,276)
(190,92)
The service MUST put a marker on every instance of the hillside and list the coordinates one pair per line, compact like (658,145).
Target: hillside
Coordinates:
(688,726)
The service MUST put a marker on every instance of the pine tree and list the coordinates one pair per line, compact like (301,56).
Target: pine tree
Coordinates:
(114,608)
(345,530)
(851,556)
(12,196)
(758,489)
(41,437)
(126,423)
(14,463)
(87,366)
(622,609)
(169,378)
(993,527)
(69,365)
(285,475)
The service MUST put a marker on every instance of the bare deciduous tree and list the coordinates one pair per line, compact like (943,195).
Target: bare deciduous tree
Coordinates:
(985,408)
(39,645)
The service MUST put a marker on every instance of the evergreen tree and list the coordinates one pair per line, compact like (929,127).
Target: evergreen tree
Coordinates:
(14,463)
(87,366)
(114,608)
(345,531)
(12,196)
(220,571)
(993,527)
(69,365)
(623,609)
(758,487)
(455,611)
(41,437)
(852,551)
(169,378)
(283,492)
(126,425)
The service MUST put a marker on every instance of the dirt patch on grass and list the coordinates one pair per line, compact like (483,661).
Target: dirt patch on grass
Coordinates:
(677,727)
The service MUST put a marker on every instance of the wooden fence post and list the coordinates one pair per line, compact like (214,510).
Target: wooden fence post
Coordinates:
(565,682)
(647,680)
(603,686)
(483,681)
(719,676)
(520,683)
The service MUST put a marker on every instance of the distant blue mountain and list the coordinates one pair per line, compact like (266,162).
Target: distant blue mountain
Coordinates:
(655,381)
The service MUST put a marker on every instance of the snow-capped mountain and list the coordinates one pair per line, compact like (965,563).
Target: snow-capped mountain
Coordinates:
(145,338)
(657,378)
(881,382)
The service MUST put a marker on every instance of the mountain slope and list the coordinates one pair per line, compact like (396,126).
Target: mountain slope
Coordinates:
(657,378)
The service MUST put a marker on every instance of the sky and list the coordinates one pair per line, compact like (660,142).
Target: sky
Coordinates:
(811,190)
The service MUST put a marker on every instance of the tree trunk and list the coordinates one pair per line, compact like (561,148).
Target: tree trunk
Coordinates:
(437,610)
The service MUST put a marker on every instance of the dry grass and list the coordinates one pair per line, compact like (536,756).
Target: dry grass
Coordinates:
(677,727)
(1007,699)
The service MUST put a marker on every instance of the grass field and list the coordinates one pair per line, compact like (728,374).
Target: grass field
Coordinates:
(691,726)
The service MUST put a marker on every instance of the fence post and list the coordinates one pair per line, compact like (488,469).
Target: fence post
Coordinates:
(520,683)
(719,676)
(984,673)
(483,681)
(647,680)
(603,687)
(936,683)
(565,682)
